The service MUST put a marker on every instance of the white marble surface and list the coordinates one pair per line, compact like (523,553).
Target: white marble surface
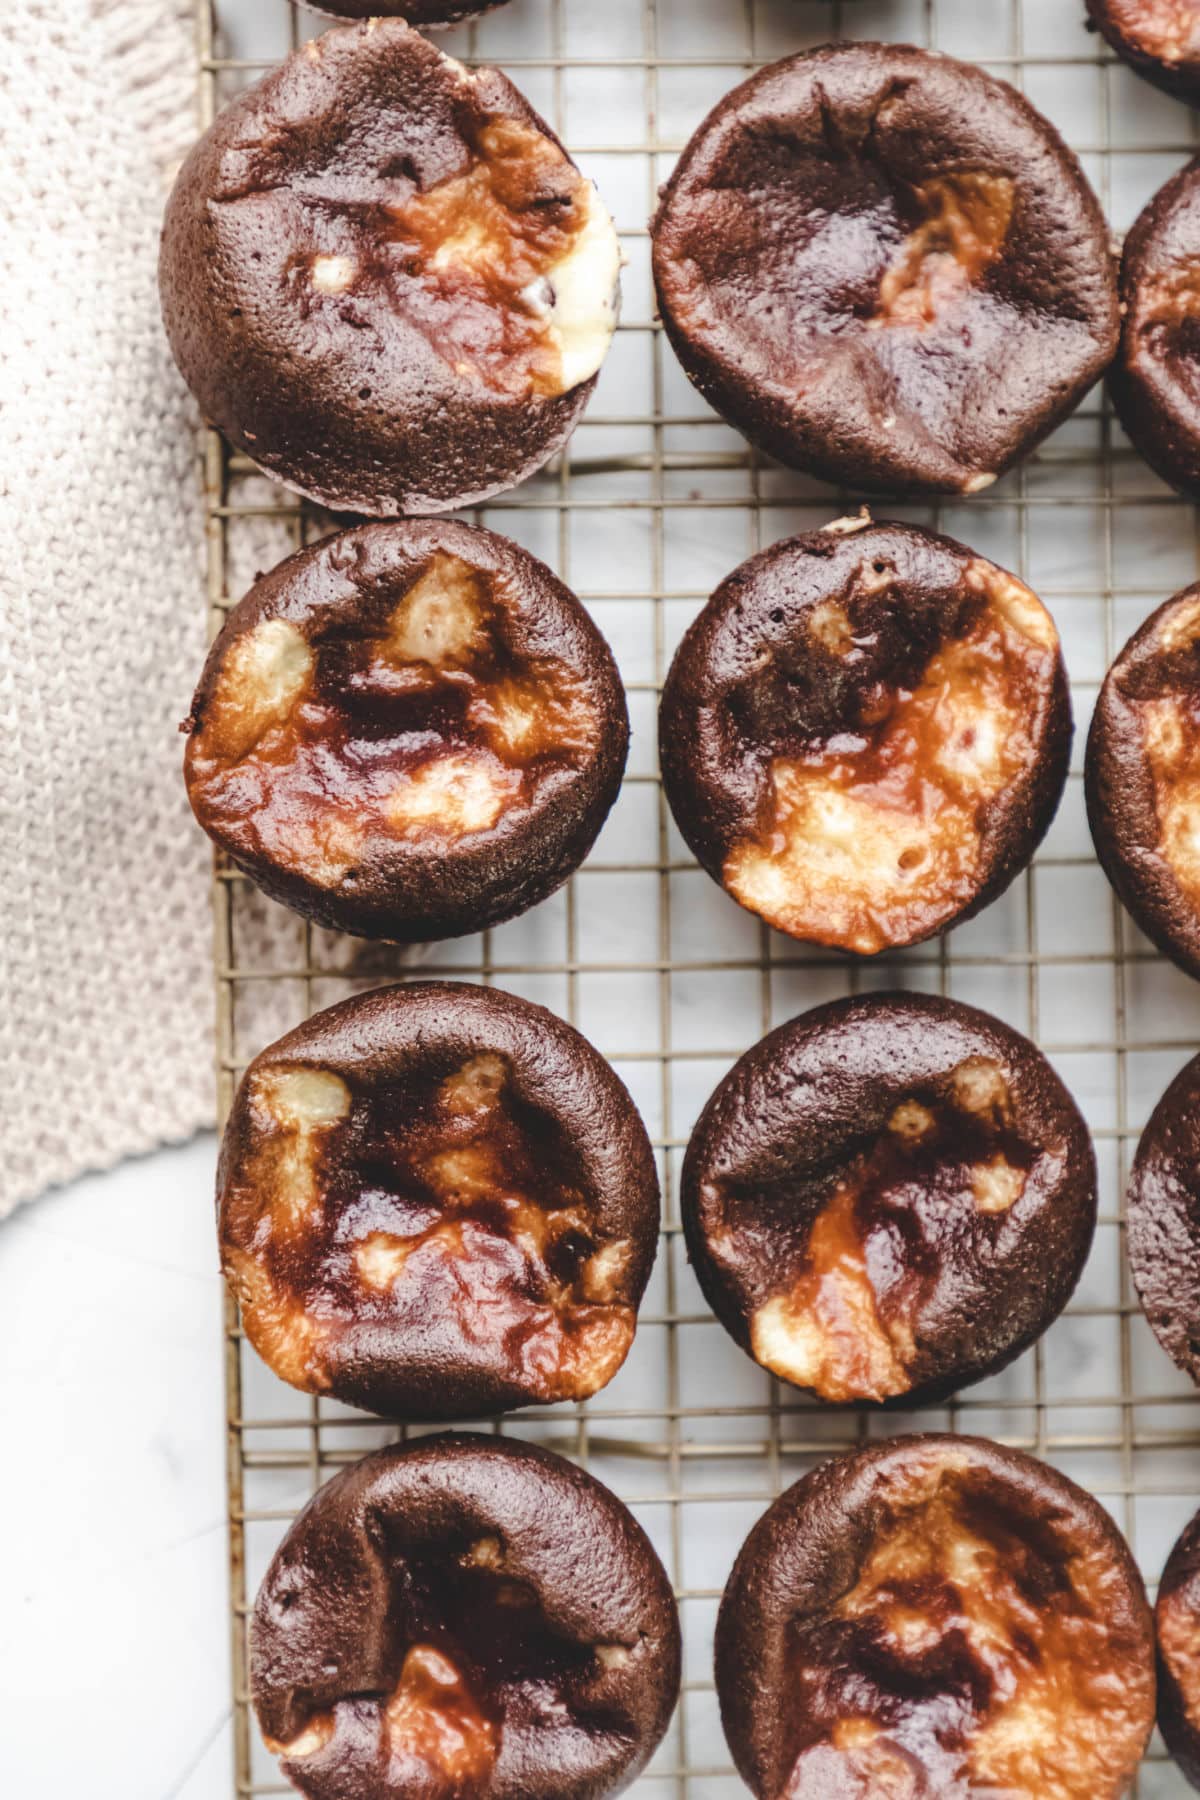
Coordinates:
(114,1671)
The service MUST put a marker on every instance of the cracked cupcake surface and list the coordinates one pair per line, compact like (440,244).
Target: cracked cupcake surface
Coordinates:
(464,1616)
(865,734)
(885,268)
(935,1617)
(437,1201)
(411,730)
(1158,38)
(384,278)
(1142,777)
(889,1198)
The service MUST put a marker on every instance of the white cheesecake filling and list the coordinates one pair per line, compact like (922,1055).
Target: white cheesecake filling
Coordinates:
(580,295)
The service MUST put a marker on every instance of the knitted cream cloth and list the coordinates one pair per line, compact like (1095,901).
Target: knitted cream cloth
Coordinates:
(105,986)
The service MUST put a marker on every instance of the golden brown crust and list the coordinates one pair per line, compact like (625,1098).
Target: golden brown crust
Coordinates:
(865,734)
(1142,777)
(437,1201)
(889,1198)
(410,730)
(931,1618)
(464,1616)
(885,268)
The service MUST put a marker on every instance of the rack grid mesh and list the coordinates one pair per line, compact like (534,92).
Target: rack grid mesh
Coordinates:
(650,505)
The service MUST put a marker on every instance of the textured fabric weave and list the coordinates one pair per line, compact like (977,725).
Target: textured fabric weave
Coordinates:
(105,985)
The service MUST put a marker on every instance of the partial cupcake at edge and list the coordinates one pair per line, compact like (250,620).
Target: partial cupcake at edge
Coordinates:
(1142,778)
(931,1617)
(464,1616)
(1160,39)
(1155,379)
(1177,1635)
(1163,1220)
(415,12)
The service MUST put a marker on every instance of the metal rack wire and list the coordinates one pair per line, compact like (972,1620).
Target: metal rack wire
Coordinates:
(675,999)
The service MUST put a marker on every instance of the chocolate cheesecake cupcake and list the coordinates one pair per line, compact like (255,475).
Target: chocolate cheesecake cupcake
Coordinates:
(1163,1229)
(1142,778)
(935,1617)
(865,734)
(1177,1630)
(884,267)
(437,1202)
(1155,380)
(409,731)
(888,1198)
(464,1616)
(1158,38)
(384,279)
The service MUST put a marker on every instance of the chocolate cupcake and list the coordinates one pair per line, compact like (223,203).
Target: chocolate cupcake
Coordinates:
(464,1616)
(384,279)
(436,1202)
(865,734)
(932,1618)
(1163,1231)
(1155,381)
(886,268)
(1177,1629)
(1158,38)
(416,12)
(888,1198)
(1142,777)
(407,731)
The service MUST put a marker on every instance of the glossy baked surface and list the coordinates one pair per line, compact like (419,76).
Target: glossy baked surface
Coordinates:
(410,730)
(437,1201)
(889,1198)
(865,734)
(935,1617)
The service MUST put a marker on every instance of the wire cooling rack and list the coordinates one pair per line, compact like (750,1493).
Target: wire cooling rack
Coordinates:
(653,502)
